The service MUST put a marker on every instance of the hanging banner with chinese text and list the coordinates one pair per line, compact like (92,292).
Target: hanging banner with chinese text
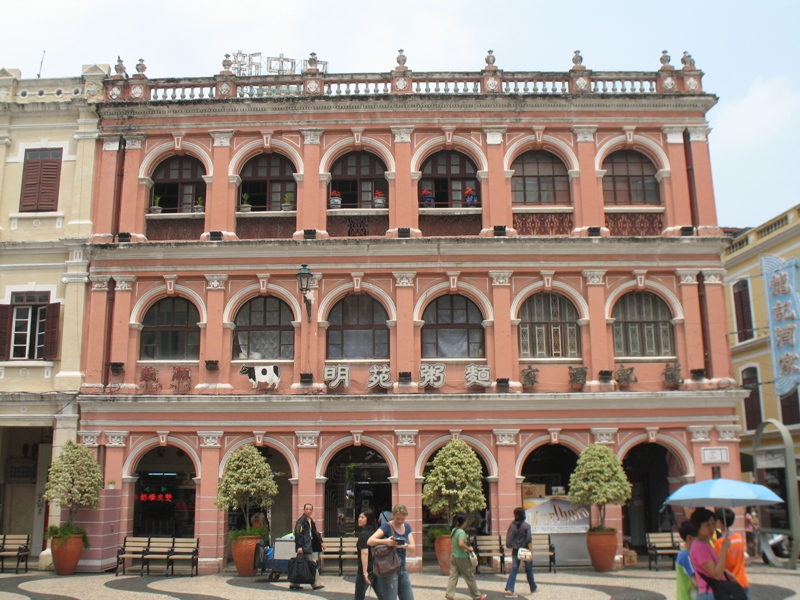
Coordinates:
(780,281)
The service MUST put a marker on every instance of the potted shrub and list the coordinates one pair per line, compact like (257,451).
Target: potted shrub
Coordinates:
(599,479)
(246,485)
(427,199)
(379,199)
(244,204)
(453,485)
(74,481)
(156,206)
(470,197)
(199,204)
(288,201)
(335,199)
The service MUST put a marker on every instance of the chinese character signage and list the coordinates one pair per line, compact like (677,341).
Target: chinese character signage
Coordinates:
(780,281)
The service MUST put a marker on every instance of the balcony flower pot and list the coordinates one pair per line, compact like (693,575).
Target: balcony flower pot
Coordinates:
(427,202)
(379,199)
(470,198)
(245,208)
(156,210)
(335,201)
(602,546)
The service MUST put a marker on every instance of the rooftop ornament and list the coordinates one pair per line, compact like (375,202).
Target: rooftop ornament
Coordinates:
(401,58)
(490,58)
(665,58)
(119,68)
(687,61)
(577,60)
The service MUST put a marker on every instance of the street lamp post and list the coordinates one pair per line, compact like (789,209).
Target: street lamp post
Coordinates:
(304,277)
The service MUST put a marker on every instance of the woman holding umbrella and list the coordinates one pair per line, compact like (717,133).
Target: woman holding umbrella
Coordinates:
(703,556)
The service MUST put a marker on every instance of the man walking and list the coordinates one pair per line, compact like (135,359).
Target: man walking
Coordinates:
(308,542)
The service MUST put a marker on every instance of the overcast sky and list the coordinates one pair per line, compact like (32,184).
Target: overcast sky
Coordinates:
(743,47)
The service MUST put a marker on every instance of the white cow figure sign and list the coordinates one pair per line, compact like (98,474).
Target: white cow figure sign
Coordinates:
(269,374)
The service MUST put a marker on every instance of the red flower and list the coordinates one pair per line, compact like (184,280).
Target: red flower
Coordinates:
(469,192)
(427,193)
(335,194)
(378,194)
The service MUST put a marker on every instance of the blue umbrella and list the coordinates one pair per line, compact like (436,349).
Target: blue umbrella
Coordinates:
(723,493)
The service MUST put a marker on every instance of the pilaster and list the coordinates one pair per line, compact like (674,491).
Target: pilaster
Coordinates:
(589,211)
(599,358)
(405,340)
(403,199)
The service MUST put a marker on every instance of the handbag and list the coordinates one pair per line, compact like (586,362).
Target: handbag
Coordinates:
(725,589)
(524,555)
(385,560)
(302,570)
(473,559)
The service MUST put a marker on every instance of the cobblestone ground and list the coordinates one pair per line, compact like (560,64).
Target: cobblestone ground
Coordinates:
(767,583)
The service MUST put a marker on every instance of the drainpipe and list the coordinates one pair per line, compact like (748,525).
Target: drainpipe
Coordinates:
(701,282)
(112,285)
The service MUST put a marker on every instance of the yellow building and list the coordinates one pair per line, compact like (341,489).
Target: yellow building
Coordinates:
(755,320)
(48,134)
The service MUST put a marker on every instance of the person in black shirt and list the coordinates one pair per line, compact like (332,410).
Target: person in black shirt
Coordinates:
(365,578)
(308,542)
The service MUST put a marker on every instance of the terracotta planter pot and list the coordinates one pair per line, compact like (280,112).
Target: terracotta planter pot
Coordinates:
(444,548)
(602,546)
(67,555)
(243,550)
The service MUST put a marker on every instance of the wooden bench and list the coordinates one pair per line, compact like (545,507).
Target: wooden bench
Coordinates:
(661,544)
(14,545)
(341,549)
(490,547)
(132,548)
(542,546)
(184,549)
(332,547)
(157,549)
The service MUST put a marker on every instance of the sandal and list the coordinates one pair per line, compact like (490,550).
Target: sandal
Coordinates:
(511,594)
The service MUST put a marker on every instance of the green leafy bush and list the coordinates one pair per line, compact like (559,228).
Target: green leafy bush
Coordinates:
(599,479)
(247,484)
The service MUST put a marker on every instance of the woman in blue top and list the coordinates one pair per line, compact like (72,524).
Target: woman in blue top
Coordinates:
(397,534)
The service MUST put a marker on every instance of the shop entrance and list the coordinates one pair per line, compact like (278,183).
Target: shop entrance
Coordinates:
(358,478)
(648,467)
(165,494)
(547,471)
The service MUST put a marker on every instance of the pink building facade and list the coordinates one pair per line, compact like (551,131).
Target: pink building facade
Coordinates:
(527,261)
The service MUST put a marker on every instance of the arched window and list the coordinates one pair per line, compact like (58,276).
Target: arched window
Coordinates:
(630,179)
(178,184)
(540,178)
(642,326)
(448,174)
(549,327)
(453,329)
(266,179)
(357,328)
(170,331)
(741,310)
(357,176)
(752,404)
(264,330)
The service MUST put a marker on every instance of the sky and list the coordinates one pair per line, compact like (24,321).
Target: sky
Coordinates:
(743,48)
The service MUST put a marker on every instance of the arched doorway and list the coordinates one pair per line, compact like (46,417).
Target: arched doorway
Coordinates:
(165,494)
(648,467)
(547,471)
(279,515)
(357,479)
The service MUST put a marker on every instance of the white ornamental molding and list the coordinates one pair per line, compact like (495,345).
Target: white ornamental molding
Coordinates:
(640,275)
(492,83)
(216,281)
(555,432)
(99,282)
(687,276)
(713,276)
(116,438)
(652,434)
(404,278)
(89,438)
(307,439)
(494,135)
(699,433)
(92,89)
(312,86)
(669,84)
(210,438)
(674,134)
(407,437)
(222,137)
(585,133)
(728,433)
(401,83)
(74,278)
(115,92)
(692,84)
(162,437)
(110,142)
(259,437)
(594,277)
(311,136)
(133,141)
(124,282)
(699,134)
(582,83)
(604,435)
(501,277)
(137,91)
(225,89)
(505,437)
(402,134)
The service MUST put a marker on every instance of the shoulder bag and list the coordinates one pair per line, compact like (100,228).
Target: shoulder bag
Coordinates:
(725,589)
(385,560)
